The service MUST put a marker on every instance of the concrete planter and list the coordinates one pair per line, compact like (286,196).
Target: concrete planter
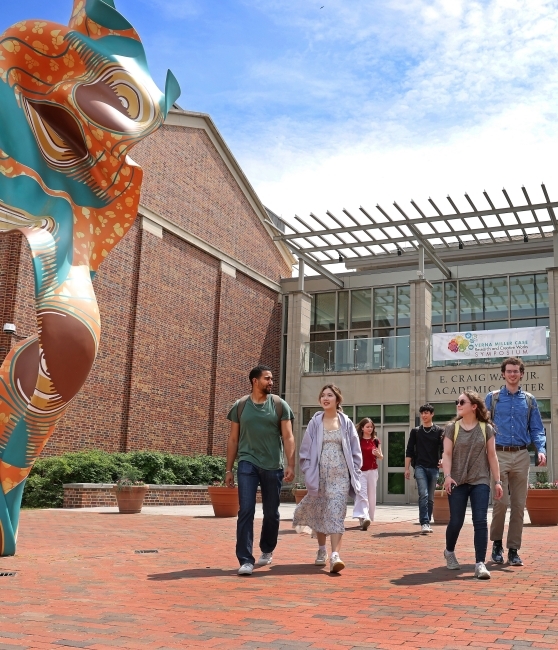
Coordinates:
(130,498)
(441,512)
(299,494)
(224,500)
(542,506)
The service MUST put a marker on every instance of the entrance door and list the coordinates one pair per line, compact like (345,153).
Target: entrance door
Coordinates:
(394,441)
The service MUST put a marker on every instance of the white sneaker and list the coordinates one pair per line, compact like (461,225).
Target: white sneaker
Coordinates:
(425,529)
(451,560)
(321,558)
(481,572)
(336,564)
(365,523)
(246,569)
(265,558)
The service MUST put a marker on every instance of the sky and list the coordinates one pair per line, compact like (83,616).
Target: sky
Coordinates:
(341,103)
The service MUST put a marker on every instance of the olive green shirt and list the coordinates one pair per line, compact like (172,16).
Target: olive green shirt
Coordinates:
(469,462)
(260,441)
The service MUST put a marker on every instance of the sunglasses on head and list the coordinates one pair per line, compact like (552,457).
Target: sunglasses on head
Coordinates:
(461,402)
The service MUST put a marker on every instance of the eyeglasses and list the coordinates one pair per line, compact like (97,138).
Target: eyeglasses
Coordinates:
(513,372)
(461,402)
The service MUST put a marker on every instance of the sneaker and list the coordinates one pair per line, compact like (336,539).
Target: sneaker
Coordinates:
(498,553)
(365,523)
(336,563)
(321,558)
(451,560)
(425,529)
(513,558)
(481,572)
(265,558)
(246,569)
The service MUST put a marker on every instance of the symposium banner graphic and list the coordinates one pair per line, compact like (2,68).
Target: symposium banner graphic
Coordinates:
(486,344)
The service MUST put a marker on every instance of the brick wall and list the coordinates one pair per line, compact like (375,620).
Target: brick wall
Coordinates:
(90,495)
(178,336)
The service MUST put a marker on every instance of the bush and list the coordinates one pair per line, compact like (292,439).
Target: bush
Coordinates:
(44,484)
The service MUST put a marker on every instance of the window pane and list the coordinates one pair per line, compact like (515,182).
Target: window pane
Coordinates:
(374,412)
(544,408)
(522,296)
(444,412)
(324,336)
(383,333)
(349,411)
(470,300)
(437,303)
(437,328)
(450,289)
(342,310)
(396,449)
(495,325)
(342,336)
(451,328)
(496,298)
(404,305)
(543,322)
(324,314)
(396,413)
(384,307)
(308,412)
(524,322)
(361,308)
(396,483)
(542,294)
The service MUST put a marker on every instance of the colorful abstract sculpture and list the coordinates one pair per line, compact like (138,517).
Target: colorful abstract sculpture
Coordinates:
(73,102)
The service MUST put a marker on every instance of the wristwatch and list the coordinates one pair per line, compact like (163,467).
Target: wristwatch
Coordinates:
(497,482)
(447,476)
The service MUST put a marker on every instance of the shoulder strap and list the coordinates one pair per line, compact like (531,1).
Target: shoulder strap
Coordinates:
(530,399)
(483,429)
(241,404)
(456,431)
(278,407)
(495,396)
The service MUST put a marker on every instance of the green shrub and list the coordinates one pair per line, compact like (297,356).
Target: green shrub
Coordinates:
(44,484)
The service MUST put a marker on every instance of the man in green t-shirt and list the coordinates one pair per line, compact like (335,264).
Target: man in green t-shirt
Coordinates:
(258,437)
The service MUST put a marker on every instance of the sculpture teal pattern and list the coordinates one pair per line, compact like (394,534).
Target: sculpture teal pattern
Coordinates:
(73,102)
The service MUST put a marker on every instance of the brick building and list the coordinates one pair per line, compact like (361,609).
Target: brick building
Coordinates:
(190,300)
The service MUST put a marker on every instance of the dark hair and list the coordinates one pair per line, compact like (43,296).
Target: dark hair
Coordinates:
(257,372)
(513,361)
(360,426)
(336,391)
(481,412)
(426,407)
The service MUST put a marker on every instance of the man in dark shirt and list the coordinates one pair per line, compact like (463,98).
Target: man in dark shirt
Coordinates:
(424,451)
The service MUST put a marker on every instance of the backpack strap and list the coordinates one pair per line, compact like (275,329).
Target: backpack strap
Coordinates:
(495,397)
(456,431)
(276,401)
(530,400)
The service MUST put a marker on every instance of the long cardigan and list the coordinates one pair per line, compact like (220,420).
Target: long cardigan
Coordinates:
(311,450)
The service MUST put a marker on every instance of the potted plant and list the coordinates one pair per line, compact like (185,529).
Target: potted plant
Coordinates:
(130,492)
(441,512)
(223,499)
(542,501)
(299,491)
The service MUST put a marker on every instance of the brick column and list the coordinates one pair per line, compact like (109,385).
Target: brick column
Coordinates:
(298,333)
(421,331)
(552,439)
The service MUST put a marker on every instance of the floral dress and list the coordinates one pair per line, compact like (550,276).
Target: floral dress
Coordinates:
(326,513)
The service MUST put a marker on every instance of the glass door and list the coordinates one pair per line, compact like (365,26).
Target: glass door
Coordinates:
(394,443)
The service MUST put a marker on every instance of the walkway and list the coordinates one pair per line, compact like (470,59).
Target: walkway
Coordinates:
(80,583)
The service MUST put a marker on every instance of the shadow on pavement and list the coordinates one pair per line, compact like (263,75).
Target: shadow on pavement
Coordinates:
(416,533)
(279,570)
(440,574)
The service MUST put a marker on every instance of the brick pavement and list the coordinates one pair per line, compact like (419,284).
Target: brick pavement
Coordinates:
(79,583)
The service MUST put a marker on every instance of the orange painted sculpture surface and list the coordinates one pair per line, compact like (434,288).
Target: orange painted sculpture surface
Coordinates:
(73,102)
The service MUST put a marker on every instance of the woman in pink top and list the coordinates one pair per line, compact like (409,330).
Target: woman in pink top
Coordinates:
(365,501)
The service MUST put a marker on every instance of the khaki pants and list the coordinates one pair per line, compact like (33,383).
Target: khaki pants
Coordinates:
(514,474)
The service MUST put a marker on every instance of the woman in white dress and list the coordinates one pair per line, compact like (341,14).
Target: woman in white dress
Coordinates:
(330,459)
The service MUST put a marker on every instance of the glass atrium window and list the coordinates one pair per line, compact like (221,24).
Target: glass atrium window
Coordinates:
(495,298)
(323,317)
(361,309)
(404,305)
(342,310)
(522,296)
(542,294)
(470,300)
(437,303)
(451,302)
(384,307)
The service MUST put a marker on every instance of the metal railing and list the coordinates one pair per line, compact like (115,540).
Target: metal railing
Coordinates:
(476,362)
(380,353)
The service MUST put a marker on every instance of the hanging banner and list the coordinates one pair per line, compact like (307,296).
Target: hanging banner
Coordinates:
(523,341)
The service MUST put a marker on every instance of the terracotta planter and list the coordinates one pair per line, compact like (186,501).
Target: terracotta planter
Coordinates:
(542,506)
(130,498)
(299,494)
(224,500)
(441,512)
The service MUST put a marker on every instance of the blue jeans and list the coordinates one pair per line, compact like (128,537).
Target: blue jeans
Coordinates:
(249,477)
(426,483)
(479,495)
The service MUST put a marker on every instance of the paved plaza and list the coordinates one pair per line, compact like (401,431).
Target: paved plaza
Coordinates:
(79,582)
